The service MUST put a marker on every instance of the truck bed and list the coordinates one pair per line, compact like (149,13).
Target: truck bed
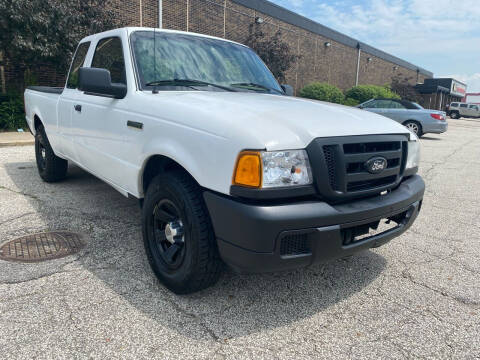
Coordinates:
(42,101)
(46,89)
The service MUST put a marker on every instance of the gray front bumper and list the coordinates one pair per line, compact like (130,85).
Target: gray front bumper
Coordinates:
(249,235)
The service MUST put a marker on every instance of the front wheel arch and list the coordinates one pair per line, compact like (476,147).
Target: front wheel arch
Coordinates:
(157,164)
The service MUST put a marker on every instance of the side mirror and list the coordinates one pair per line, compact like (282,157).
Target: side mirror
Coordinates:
(98,82)
(287,89)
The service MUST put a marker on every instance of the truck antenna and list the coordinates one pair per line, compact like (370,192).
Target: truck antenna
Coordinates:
(154,91)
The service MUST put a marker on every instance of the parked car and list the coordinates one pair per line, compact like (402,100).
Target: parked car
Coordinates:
(458,109)
(227,167)
(410,114)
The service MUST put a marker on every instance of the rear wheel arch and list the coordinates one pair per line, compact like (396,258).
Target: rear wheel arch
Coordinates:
(37,122)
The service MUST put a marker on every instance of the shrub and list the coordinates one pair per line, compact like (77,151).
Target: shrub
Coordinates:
(362,93)
(324,92)
(350,102)
(12,116)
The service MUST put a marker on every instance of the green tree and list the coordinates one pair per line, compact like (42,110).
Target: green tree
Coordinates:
(275,52)
(362,93)
(324,92)
(48,31)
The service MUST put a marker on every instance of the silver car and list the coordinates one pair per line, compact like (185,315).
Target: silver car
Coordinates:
(410,114)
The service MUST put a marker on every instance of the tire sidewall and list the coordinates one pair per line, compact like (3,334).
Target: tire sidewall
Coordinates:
(169,189)
(40,140)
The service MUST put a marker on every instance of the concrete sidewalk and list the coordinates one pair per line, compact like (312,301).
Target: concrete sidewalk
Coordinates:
(16,139)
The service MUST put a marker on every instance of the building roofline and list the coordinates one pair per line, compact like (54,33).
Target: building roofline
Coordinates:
(303,22)
(450,78)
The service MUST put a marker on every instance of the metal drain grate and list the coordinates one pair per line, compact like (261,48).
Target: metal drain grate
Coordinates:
(42,247)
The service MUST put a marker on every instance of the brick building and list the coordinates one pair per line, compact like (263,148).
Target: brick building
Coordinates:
(326,55)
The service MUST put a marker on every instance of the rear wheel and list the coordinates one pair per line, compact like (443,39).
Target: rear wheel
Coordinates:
(414,126)
(51,168)
(178,234)
(454,115)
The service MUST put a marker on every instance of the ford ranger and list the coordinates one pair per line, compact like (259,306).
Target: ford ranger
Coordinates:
(227,166)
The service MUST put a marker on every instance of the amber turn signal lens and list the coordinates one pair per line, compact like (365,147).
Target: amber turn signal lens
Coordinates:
(248,171)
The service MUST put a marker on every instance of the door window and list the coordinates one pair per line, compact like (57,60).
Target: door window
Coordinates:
(463,105)
(77,63)
(396,105)
(380,104)
(109,55)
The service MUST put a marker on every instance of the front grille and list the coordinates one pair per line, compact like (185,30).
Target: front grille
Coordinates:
(294,244)
(368,184)
(345,159)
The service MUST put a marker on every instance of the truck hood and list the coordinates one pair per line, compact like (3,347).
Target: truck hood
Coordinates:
(267,121)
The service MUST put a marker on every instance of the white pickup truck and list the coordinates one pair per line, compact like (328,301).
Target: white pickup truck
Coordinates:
(228,168)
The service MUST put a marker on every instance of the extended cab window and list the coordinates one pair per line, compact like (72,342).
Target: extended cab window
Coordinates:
(109,55)
(77,63)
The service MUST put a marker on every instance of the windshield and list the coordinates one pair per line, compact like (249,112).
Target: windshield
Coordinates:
(190,57)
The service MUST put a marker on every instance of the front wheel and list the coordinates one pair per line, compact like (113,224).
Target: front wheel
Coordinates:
(178,234)
(414,126)
(51,168)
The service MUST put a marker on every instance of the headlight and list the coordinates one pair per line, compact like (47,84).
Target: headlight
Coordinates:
(413,158)
(270,169)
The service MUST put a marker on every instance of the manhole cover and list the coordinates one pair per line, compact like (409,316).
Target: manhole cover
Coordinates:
(42,247)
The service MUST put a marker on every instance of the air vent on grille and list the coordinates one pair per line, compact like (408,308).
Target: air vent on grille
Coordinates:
(329,151)
(294,244)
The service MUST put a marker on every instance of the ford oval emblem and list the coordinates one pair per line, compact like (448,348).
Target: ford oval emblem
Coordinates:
(376,165)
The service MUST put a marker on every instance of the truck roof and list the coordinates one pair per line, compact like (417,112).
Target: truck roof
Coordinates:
(131,29)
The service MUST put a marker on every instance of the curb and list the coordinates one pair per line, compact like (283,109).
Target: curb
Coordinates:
(17,143)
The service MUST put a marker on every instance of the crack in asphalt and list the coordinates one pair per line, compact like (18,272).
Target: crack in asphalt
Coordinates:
(17,217)
(465,301)
(445,159)
(20,193)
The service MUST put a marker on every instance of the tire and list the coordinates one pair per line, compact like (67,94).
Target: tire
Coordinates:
(414,126)
(51,168)
(178,235)
(454,115)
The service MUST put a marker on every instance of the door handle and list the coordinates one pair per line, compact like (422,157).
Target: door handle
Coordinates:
(78,108)
(134,124)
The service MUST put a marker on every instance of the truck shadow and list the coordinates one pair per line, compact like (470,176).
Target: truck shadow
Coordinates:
(237,305)
(429,138)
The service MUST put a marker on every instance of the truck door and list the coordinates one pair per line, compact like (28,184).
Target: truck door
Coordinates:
(473,111)
(99,121)
(66,102)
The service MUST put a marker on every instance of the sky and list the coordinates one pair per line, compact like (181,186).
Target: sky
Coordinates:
(442,36)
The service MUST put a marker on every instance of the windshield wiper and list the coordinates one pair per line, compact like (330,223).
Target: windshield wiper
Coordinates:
(188,83)
(258,86)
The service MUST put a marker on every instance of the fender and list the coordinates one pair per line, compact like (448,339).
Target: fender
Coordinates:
(173,150)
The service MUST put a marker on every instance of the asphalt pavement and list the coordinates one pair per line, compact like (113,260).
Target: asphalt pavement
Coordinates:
(416,297)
